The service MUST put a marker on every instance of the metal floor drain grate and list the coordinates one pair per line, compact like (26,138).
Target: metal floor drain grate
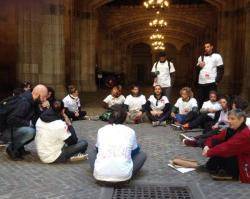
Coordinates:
(152,192)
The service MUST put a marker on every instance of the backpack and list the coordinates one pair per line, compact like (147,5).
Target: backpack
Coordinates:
(6,107)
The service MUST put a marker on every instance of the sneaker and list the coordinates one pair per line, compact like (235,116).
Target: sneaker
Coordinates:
(185,127)
(190,143)
(154,124)
(183,136)
(178,127)
(79,157)
(23,152)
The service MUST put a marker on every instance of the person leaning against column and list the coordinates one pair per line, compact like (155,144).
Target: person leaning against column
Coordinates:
(211,70)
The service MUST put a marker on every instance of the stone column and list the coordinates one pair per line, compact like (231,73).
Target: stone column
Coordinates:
(29,25)
(83,72)
(230,42)
(246,83)
(53,46)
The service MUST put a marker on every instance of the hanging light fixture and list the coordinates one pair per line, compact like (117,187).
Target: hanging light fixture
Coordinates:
(157,43)
(158,23)
(159,48)
(156,4)
(157,37)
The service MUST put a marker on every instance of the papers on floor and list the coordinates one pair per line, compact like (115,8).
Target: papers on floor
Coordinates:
(181,169)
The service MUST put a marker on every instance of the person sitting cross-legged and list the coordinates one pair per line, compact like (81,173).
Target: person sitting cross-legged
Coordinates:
(135,105)
(158,107)
(55,140)
(206,119)
(186,107)
(117,156)
(229,151)
(72,104)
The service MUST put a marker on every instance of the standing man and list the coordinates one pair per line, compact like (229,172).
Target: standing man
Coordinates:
(211,70)
(164,72)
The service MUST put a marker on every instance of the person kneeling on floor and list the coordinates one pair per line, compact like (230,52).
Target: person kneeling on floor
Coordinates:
(117,156)
(229,151)
(55,141)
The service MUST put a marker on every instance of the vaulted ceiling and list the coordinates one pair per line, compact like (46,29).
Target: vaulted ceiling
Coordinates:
(187,20)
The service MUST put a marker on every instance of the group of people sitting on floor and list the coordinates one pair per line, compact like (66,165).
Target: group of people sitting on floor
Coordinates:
(35,114)
(225,127)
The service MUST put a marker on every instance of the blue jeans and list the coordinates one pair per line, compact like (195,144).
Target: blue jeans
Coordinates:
(21,137)
(180,118)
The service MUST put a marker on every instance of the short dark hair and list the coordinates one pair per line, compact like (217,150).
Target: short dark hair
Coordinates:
(240,103)
(162,54)
(71,89)
(213,93)
(118,115)
(58,106)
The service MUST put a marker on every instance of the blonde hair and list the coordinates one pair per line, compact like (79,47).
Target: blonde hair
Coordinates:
(188,90)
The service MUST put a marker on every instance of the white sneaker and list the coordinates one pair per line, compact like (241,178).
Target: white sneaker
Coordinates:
(79,157)
(154,124)
(183,136)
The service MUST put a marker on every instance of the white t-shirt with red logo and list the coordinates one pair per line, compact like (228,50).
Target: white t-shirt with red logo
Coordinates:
(185,106)
(158,105)
(208,73)
(113,161)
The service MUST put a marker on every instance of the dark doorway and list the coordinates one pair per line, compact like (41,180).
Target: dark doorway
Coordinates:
(141,63)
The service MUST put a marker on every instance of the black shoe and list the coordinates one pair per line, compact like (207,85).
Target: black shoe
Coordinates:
(222,175)
(14,155)
(23,152)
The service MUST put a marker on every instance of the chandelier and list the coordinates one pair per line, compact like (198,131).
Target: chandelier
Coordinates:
(156,4)
(157,43)
(159,48)
(157,37)
(158,23)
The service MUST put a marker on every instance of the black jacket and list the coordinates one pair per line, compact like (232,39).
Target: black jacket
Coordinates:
(50,115)
(23,112)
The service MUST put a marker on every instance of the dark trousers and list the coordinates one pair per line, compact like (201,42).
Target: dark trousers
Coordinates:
(203,92)
(167,91)
(163,117)
(201,139)
(202,120)
(230,165)
(69,151)
(21,137)
(138,161)
(74,118)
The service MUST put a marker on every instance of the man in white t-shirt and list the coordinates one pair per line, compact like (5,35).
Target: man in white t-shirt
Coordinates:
(55,140)
(135,105)
(207,117)
(163,72)
(211,70)
(117,156)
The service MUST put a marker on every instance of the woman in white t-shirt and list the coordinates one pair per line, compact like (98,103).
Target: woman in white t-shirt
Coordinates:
(117,156)
(186,107)
(158,107)
(135,105)
(72,104)
(56,141)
